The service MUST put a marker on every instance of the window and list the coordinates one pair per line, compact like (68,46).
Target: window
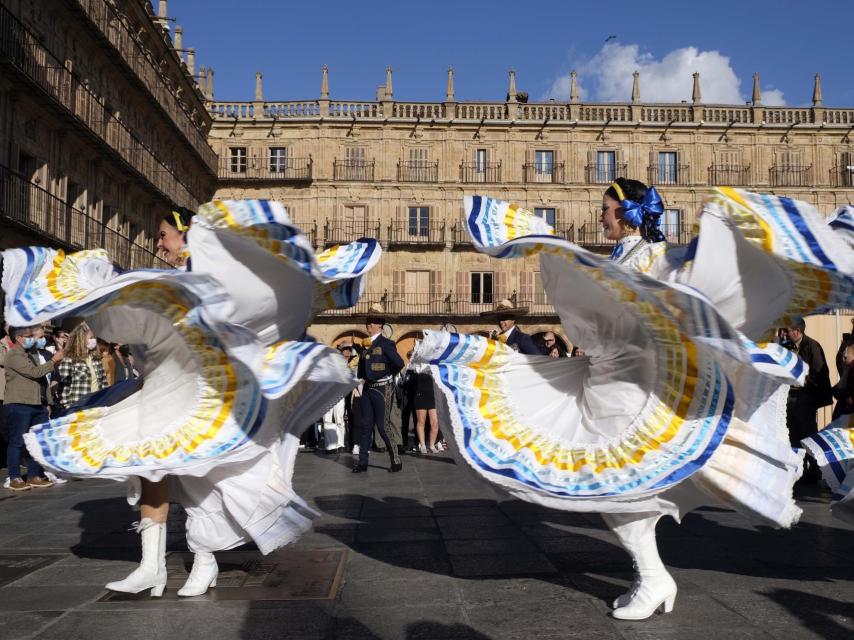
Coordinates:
(278,159)
(606,166)
(481,287)
(417,282)
(539,291)
(544,162)
(481,160)
(846,161)
(667,167)
(546,214)
(237,159)
(355,155)
(671,224)
(418,155)
(419,221)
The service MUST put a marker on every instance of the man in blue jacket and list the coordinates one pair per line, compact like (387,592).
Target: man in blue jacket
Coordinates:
(379,361)
(509,333)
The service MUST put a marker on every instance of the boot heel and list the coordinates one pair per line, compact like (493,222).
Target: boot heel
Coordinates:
(668,603)
(157,592)
(213,584)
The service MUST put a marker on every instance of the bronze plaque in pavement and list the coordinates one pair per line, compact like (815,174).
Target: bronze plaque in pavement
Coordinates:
(288,574)
(14,567)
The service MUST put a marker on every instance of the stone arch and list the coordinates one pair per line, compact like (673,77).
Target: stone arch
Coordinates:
(406,342)
(351,335)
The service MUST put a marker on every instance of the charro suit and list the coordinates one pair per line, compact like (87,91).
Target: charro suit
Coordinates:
(523,343)
(378,363)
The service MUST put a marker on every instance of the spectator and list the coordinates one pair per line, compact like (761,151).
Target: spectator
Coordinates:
(81,373)
(5,345)
(506,313)
(803,402)
(577,352)
(549,342)
(27,402)
(406,392)
(425,407)
(557,351)
(843,392)
(847,340)
(124,369)
(108,363)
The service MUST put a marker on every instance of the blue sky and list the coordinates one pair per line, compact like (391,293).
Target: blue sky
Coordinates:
(290,41)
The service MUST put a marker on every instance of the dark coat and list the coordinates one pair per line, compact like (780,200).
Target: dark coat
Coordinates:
(523,343)
(379,360)
(817,385)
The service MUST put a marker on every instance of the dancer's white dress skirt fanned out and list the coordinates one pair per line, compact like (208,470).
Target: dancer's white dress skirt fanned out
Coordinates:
(230,380)
(676,404)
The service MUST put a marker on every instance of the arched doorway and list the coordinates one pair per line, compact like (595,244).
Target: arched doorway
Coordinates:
(406,343)
(352,336)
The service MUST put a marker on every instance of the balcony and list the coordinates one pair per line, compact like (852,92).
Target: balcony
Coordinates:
(605,173)
(416,232)
(544,173)
(591,236)
(444,305)
(729,175)
(842,176)
(71,97)
(791,176)
(418,171)
(354,170)
(567,232)
(667,175)
(265,169)
(679,233)
(460,234)
(344,231)
(29,206)
(480,172)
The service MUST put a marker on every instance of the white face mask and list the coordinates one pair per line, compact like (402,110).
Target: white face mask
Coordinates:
(91,343)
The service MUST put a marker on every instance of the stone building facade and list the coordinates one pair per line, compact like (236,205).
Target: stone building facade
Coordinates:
(398,171)
(103,127)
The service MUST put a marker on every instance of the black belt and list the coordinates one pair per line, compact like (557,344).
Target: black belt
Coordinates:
(370,383)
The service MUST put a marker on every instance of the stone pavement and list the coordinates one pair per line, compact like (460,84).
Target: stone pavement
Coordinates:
(429,553)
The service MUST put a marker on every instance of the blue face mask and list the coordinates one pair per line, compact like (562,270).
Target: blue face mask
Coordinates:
(41,343)
(29,341)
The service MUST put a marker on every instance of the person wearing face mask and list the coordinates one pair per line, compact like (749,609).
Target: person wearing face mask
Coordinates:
(81,373)
(27,403)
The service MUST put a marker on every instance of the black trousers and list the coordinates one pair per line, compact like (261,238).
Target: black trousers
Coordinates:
(376,409)
(407,414)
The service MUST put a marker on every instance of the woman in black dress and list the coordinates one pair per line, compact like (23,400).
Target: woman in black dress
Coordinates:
(425,405)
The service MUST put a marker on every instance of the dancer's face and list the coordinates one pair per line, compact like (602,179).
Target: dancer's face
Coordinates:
(611,219)
(505,324)
(170,243)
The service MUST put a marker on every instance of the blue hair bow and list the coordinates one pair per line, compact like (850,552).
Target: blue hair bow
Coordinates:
(646,215)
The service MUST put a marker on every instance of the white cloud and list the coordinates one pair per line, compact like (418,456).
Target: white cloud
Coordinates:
(607,76)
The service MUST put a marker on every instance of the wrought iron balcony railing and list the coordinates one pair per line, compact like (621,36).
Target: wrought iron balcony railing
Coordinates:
(28,205)
(591,234)
(541,173)
(460,233)
(725,175)
(672,174)
(450,304)
(354,170)
(484,172)
(343,231)
(791,176)
(418,171)
(677,233)
(417,232)
(566,231)
(266,169)
(605,173)
(842,176)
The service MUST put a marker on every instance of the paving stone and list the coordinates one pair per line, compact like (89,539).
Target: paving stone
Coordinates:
(497,565)
(20,625)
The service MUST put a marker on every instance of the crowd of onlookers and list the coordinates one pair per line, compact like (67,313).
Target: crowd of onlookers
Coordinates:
(45,372)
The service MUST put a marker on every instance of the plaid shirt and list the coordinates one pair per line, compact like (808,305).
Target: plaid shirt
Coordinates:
(75,380)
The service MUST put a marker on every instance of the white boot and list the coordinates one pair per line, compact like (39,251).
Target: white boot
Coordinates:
(203,575)
(653,586)
(151,572)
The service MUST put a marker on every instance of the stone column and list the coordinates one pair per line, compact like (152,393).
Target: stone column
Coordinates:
(323,103)
(573,95)
(758,113)
(697,99)
(191,61)
(450,96)
(635,108)
(817,102)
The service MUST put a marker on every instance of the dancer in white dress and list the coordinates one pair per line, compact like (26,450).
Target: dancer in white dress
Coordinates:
(675,406)
(229,379)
